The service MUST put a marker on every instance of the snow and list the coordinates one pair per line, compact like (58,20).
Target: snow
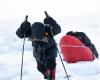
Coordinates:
(11,53)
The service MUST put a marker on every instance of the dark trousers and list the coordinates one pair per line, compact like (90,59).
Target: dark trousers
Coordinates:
(49,64)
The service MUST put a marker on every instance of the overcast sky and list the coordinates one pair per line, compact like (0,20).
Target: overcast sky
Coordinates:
(12,9)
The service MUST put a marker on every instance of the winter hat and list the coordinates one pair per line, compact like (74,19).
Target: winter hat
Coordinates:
(38,30)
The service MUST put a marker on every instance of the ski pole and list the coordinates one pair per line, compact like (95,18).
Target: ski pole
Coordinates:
(23,52)
(58,49)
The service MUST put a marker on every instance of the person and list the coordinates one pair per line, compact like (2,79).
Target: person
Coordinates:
(86,41)
(44,47)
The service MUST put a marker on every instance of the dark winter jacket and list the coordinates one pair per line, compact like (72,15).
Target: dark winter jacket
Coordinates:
(50,47)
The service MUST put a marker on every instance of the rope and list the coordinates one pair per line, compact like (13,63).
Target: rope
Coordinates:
(83,46)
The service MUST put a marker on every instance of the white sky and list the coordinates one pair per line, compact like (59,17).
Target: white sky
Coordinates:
(12,9)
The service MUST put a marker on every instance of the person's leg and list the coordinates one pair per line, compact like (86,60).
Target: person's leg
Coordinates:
(41,67)
(48,69)
(53,71)
(51,65)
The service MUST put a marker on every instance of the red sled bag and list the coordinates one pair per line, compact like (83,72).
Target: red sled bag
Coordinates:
(74,50)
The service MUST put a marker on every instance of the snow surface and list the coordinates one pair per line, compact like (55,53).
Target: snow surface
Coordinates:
(11,53)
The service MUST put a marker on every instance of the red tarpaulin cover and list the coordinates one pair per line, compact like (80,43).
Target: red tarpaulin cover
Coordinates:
(73,50)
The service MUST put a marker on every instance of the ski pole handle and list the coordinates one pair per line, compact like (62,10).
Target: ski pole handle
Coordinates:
(26,17)
(46,14)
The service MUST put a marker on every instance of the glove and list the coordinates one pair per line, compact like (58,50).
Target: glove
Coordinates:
(49,20)
(25,26)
